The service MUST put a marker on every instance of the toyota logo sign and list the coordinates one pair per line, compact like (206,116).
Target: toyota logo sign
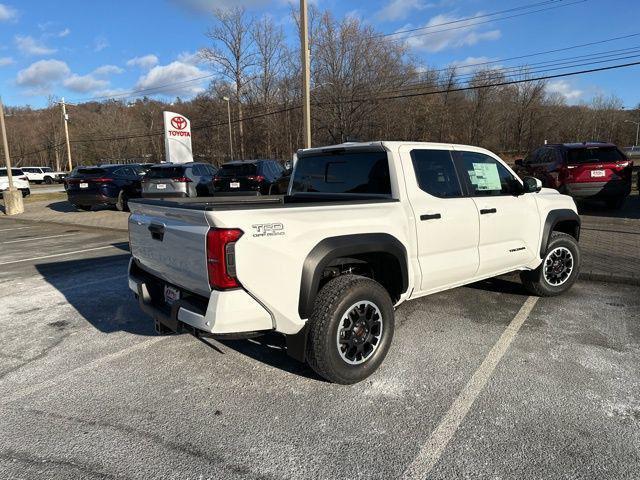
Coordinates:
(179,123)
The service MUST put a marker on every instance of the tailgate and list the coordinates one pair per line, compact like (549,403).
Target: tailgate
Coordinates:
(171,244)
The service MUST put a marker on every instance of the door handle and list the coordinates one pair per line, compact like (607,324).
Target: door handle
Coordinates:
(484,211)
(431,216)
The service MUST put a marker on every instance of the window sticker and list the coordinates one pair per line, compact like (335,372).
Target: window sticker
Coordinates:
(485,176)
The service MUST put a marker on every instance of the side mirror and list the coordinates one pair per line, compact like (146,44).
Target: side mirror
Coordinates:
(519,162)
(531,185)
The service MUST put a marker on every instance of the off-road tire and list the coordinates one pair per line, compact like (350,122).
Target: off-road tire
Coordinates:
(330,306)
(48,180)
(536,283)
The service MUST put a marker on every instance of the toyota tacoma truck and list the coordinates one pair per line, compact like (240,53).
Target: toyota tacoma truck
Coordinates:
(362,228)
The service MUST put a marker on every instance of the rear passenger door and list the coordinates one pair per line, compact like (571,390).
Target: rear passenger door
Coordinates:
(509,220)
(446,221)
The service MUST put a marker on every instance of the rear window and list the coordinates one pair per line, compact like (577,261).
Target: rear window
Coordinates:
(594,155)
(165,172)
(238,170)
(91,171)
(343,172)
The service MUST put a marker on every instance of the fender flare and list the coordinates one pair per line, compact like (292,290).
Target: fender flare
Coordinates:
(553,218)
(342,246)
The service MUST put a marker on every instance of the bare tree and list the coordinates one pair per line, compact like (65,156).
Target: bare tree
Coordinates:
(232,54)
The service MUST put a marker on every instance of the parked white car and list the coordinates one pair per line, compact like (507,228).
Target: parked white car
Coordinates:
(43,175)
(20,181)
(363,228)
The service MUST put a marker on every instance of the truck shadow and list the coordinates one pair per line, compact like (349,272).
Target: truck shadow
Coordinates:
(268,349)
(64,206)
(97,289)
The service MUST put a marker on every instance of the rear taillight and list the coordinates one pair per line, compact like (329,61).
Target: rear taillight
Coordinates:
(257,178)
(565,174)
(101,180)
(216,179)
(181,179)
(221,261)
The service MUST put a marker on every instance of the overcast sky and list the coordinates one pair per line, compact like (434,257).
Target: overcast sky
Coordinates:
(80,49)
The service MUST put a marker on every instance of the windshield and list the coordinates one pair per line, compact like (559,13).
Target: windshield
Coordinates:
(343,172)
(594,155)
(237,170)
(165,172)
(89,171)
(47,169)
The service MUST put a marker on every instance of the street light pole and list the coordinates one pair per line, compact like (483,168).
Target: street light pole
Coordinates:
(637,124)
(12,197)
(230,134)
(306,75)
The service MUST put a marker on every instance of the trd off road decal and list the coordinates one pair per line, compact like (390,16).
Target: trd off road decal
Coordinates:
(268,230)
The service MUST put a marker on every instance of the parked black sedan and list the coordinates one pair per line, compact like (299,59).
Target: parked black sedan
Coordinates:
(106,185)
(255,176)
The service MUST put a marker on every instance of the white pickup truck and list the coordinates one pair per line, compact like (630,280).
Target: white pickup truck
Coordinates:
(363,228)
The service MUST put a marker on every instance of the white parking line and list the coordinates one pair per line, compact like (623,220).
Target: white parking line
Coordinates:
(17,228)
(57,255)
(37,238)
(434,447)
(52,381)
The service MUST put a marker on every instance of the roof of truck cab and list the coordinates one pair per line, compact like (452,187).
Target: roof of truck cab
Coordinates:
(389,145)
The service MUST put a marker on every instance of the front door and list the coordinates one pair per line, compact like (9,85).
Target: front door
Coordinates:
(509,220)
(446,222)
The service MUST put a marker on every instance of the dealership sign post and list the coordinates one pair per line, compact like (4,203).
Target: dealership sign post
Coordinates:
(177,138)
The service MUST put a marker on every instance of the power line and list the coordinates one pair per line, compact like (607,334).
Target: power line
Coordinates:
(475,17)
(467,25)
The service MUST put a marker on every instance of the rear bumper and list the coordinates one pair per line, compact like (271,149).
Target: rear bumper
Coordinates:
(598,189)
(223,313)
(90,199)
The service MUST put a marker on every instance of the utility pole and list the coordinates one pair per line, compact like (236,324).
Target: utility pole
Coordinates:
(12,197)
(226,99)
(65,118)
(306,75)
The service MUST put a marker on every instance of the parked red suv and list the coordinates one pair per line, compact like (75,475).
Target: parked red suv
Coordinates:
(582,170)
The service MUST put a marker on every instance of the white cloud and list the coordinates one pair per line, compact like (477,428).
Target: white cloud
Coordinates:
(107,70)
(145,62)
(169,75)
(84,83)
(64,33)
(100,43)
(4,61)
(190,58)
(472,64)
(7,13)
(401,9)
(30,46)
(42,73)
(565,89)
(455,35)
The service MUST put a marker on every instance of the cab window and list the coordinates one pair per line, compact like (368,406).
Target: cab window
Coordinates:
(435,173)
(485,176)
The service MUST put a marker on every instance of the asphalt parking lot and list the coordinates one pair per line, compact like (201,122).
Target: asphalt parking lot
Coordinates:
(481,382)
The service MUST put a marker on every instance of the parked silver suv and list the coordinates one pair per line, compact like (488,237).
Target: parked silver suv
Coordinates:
(179,180)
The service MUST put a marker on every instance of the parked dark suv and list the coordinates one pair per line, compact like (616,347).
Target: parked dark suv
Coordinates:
(256,176)
(582,170)
(104,185)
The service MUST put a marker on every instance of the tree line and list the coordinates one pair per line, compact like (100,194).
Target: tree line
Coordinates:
(364,87)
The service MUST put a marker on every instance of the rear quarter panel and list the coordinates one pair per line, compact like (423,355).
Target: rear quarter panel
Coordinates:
(275,243)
